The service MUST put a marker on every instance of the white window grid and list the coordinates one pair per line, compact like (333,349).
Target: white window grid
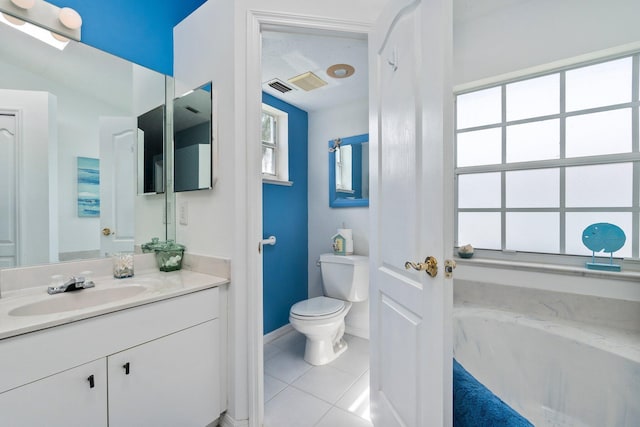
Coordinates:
(272,144)
(562,162)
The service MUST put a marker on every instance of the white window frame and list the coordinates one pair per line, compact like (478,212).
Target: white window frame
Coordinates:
(632,157)
(281,147)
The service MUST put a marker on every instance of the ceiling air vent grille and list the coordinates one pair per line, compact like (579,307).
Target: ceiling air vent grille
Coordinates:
(279,86)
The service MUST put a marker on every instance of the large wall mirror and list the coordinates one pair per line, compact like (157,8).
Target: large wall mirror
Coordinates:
(69,125)
(349,171)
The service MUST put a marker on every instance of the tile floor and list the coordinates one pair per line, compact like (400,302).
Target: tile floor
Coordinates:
(298,394)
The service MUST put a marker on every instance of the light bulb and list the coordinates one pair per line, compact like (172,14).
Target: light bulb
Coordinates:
(70,18)
(24,4)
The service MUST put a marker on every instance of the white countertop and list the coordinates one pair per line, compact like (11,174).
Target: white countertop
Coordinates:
(157,286)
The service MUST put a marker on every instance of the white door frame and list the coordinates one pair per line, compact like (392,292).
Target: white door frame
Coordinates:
(255,21)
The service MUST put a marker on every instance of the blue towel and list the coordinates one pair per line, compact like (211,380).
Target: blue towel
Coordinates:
(475,406)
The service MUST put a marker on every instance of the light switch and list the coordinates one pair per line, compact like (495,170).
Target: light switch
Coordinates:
(184,213)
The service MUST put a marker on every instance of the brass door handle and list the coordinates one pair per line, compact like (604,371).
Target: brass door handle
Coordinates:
(107,231)
(430,266)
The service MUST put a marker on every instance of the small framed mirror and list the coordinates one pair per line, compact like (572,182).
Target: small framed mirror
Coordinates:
(349,171)
(192,137)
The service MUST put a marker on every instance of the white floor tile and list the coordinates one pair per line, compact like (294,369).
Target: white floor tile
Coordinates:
(286,366)
(270,351)
(291,341)
(356,399)
(352,361)
(272,386)
(294,408)
(357,344)
(338,418)
(325,382)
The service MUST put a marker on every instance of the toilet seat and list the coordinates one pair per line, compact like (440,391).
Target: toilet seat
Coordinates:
(318,307)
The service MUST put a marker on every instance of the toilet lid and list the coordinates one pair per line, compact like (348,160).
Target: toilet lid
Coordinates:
(319,306)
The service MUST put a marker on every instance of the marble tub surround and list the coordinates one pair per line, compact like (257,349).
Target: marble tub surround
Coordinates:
(598,313)
(151,286)
(553,372)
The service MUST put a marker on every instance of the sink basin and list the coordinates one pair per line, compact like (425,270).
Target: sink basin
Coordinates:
(77,300)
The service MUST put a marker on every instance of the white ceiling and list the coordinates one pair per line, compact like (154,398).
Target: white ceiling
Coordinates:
(289,54)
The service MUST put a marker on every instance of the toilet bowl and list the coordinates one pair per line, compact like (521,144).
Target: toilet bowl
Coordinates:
(322,319)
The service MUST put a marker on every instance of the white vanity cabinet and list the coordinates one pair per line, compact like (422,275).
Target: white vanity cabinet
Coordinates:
(153,365)
(63,399)
(171,381)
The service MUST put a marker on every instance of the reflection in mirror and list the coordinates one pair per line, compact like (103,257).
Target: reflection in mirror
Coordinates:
(57,106)
(349,171)
(192,140)
(151,127)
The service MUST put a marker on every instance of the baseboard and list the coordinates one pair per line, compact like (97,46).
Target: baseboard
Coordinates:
(358,332)
(273,335)
(227,421)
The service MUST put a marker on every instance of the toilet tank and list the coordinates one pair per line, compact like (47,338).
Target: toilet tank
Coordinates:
(345,277)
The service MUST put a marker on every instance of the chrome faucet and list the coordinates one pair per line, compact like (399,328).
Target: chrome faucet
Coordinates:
(73,284)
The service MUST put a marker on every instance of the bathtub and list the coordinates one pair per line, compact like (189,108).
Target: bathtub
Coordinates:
(555,373)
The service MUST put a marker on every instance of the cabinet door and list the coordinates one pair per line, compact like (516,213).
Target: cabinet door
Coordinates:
(171,381)
(66,399)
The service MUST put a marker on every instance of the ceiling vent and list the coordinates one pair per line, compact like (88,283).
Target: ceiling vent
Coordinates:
(307,81)
(279,85)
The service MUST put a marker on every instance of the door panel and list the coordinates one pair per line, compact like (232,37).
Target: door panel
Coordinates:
(411,310)
(118,161)
(8,200)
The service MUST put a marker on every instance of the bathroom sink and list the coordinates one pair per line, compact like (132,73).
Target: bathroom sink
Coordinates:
(77,300)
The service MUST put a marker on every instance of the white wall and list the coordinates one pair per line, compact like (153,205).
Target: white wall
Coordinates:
(531,33)
(325,125)
(77,131)
(213,44)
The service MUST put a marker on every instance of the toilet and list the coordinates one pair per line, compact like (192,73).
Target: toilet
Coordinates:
(345,279)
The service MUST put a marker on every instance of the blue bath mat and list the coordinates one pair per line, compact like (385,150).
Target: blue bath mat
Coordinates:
(474,405)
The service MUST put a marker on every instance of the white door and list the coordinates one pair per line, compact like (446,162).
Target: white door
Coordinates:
(117,184)
(411,206)
(8,199)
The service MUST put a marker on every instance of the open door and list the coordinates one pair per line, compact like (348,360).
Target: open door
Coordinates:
(118,146)
(411,214)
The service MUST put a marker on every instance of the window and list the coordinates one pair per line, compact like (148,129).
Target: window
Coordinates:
(275,163)
(541,158)
(269,143)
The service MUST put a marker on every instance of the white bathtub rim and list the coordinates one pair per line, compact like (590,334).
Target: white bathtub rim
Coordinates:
(621,343)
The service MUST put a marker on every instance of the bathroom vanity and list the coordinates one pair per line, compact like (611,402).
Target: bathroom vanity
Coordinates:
(149,357)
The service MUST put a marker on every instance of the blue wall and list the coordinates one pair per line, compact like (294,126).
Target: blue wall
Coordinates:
(138,30)
(285,215)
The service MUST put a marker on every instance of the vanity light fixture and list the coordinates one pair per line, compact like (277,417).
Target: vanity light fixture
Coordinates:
(44,21)
(340,71)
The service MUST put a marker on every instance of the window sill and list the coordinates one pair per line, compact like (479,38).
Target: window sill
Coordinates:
(623,285)
(274,181)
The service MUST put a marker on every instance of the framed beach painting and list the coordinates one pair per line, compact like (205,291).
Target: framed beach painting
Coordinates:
(88,187)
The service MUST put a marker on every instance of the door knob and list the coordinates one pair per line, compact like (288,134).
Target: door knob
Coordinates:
(430,266)
(106,231)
